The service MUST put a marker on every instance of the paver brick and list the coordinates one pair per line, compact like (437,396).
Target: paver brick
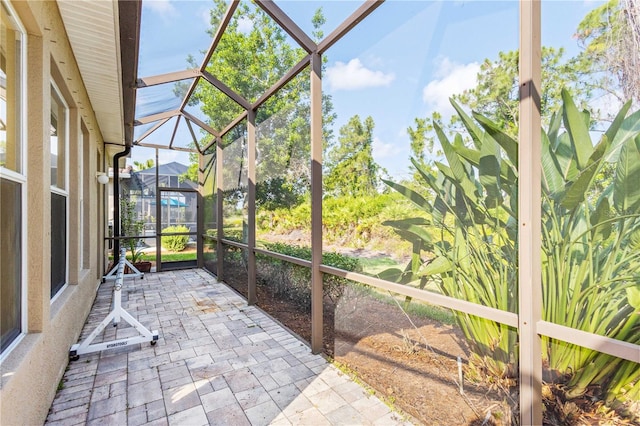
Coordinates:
(106,407)
(117,418)
(241,380)
(181,398)
(252,397)
(229,415)
(218,399)
(217,361)
(263,414)
(144,392)
(193,417)
(137,416)
(137,376)
(69,413)
(110,377)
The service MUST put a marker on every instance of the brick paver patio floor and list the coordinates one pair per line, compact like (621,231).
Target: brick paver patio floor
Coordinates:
(217,361)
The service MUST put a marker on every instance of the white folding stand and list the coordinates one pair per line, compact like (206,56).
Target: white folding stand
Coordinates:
(111,276)
(115,315)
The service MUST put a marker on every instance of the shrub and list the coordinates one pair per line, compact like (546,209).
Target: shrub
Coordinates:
(174,242)
(293,282)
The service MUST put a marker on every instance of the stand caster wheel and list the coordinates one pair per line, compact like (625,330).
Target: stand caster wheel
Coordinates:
(153,342)
(74,357)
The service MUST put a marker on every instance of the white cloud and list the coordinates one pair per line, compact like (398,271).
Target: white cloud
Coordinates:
(245,25)
(451,79)
(166,156)
(381,150)
(206,16)
(354,76)
(605,106)
(161,7)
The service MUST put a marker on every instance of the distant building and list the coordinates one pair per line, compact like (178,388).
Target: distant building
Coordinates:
(168,176)
(176,208)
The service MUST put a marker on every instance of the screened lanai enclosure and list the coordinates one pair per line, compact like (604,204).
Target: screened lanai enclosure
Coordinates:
(442,196)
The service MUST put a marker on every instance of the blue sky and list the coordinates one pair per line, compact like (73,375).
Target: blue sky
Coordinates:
(402,62)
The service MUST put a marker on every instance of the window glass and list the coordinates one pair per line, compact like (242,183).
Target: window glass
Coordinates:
(10,92)
(86,197)
(58,134)
(58,146)
(11,184)
(10,261)
(58,242)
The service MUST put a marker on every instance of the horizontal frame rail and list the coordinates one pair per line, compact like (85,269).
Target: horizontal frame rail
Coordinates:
(507,318)
(607,345)
(502,317)
(301,262)
(234,243)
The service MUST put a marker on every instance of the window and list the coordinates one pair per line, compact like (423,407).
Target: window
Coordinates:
(12,179)
(58,138)
(10,92)
(58,146)
(86,197)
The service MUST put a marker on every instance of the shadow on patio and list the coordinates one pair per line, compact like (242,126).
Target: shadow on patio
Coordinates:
(217,361)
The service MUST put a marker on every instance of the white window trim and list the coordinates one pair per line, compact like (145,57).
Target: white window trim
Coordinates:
(20,177)
(81,187)
(63,191)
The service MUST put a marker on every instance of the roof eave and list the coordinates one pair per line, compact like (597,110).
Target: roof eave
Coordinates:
(129,14)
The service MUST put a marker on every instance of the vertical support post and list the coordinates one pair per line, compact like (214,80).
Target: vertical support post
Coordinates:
(200,213)
(316,203)
(251,214)
(529,211)
(219,218)
(158,216)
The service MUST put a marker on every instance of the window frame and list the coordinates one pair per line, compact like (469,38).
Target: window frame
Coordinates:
(64,192)
(21,176)
(65,106)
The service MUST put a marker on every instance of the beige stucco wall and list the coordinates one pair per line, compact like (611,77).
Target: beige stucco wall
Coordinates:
(32,370)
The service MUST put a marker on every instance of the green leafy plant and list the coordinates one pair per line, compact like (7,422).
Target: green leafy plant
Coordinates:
(590,241)
(293,282)
(174,243)
(131,226)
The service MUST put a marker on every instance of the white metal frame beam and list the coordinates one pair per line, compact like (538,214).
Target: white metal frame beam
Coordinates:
(530,215)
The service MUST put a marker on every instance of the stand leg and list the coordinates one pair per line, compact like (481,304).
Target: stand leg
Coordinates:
(115,315)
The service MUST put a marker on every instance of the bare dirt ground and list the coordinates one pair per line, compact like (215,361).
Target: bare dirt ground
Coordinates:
(411,366)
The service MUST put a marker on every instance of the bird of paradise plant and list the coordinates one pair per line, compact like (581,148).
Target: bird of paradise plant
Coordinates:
(590,241)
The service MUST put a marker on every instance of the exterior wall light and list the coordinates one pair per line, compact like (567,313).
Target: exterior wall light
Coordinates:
(103,179)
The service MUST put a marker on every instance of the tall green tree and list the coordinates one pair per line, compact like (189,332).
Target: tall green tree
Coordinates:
(497,93)
(352,169)
(419,142)
(610,39)
(252,55)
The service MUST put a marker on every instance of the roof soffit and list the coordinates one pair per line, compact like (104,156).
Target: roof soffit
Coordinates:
(94,35)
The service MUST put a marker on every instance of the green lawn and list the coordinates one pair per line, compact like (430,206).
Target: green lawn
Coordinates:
(375,265)
(170,257)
